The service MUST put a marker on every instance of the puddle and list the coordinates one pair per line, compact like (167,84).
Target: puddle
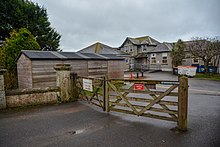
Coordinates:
(76,132)
(80,131)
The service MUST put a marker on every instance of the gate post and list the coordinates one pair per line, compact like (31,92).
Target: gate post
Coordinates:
(2,89)
(63,81)
(182,103)
(106,95)
(75,93)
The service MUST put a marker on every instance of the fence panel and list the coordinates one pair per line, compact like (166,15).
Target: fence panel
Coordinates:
(91,90)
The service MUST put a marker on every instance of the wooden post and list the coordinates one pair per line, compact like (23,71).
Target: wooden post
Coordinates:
(182,103)
(106,94)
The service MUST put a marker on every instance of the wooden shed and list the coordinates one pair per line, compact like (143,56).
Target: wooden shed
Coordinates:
(36,68)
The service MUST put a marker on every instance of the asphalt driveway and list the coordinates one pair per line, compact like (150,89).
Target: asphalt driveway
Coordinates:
(80,124)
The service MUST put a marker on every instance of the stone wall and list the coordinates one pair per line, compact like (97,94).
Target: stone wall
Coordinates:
(27,97)
(64,91)
(2,90)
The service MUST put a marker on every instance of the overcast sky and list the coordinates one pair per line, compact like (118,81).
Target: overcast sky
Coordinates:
(83,22)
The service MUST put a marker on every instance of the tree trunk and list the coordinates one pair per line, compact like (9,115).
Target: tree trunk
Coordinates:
(206,63)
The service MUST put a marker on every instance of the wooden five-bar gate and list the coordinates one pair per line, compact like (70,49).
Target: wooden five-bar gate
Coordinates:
(166,100)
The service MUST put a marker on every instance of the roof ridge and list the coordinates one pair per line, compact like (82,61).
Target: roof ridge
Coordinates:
(150,40)
(81,55)
(101,56)
(58,54)
(167,45)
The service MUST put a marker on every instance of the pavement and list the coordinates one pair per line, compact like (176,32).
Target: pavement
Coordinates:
(81,124)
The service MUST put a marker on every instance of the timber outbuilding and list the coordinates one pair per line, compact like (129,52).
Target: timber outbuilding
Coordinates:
(36,68)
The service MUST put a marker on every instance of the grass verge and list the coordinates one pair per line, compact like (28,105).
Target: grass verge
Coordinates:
(211,76)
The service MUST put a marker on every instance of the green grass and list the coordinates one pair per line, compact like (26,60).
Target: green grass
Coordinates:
(208,76)
(118,84)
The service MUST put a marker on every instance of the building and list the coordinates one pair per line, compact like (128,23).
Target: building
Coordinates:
(135,46)
(214,64)
(101,48)
(35,69)
(147,53)
(160,58)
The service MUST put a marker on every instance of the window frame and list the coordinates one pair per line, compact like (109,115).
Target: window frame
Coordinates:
(164,58)
(195,62)
(153,59)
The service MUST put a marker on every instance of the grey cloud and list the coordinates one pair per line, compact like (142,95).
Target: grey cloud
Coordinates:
(82,22)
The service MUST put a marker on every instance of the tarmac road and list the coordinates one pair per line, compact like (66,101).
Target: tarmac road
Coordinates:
(80,124)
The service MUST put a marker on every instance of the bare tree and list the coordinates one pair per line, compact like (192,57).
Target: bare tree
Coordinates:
(205,48)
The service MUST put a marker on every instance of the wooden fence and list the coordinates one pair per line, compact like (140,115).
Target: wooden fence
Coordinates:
(94,95)
(166,100)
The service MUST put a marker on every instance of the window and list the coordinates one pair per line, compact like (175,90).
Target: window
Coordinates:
(187,56)
(164,58)
(196,60)
(153,59)
(126,49)
(144,49)
(131,50)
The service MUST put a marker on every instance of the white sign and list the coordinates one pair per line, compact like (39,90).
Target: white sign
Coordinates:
(87,85)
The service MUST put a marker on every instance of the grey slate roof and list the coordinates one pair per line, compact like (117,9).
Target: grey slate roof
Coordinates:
(111,56)
(142,40)
(39,55)
(52,55)
(162,47)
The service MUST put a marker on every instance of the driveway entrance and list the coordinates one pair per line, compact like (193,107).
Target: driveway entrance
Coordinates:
(138,97)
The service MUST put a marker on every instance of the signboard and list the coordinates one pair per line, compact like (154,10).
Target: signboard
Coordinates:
(87,85)
(139,87)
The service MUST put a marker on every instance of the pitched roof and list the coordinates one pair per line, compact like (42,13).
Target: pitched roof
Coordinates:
(141,40)
(147,40)
(53,55)
(162,47)
(100,48)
